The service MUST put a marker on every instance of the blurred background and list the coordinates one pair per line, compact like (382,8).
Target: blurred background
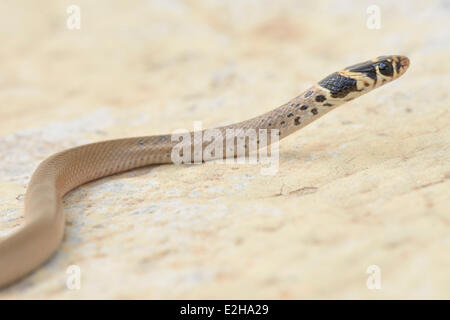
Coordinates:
(366,185)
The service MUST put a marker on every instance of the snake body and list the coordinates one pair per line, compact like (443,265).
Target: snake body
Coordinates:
(39,237)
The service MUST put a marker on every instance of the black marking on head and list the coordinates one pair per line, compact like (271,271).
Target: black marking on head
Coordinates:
(310,92)
(290,115)
(314,111)
(338,85)
(320,98)
(367,68)
(327,104)
(304,107)
(282,122)
(297,121)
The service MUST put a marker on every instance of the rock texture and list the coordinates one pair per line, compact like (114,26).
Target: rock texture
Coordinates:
(368,184)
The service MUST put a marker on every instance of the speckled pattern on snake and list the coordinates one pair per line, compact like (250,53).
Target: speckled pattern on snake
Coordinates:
(42,232)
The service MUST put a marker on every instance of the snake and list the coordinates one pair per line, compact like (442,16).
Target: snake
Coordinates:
(38,238)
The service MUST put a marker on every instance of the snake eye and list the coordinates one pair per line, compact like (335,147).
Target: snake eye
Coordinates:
(385,69)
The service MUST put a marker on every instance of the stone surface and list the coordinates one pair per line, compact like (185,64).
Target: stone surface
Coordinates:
(367,184)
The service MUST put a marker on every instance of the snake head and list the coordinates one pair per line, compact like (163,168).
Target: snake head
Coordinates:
(379,70)
(384,67)
(365,76)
